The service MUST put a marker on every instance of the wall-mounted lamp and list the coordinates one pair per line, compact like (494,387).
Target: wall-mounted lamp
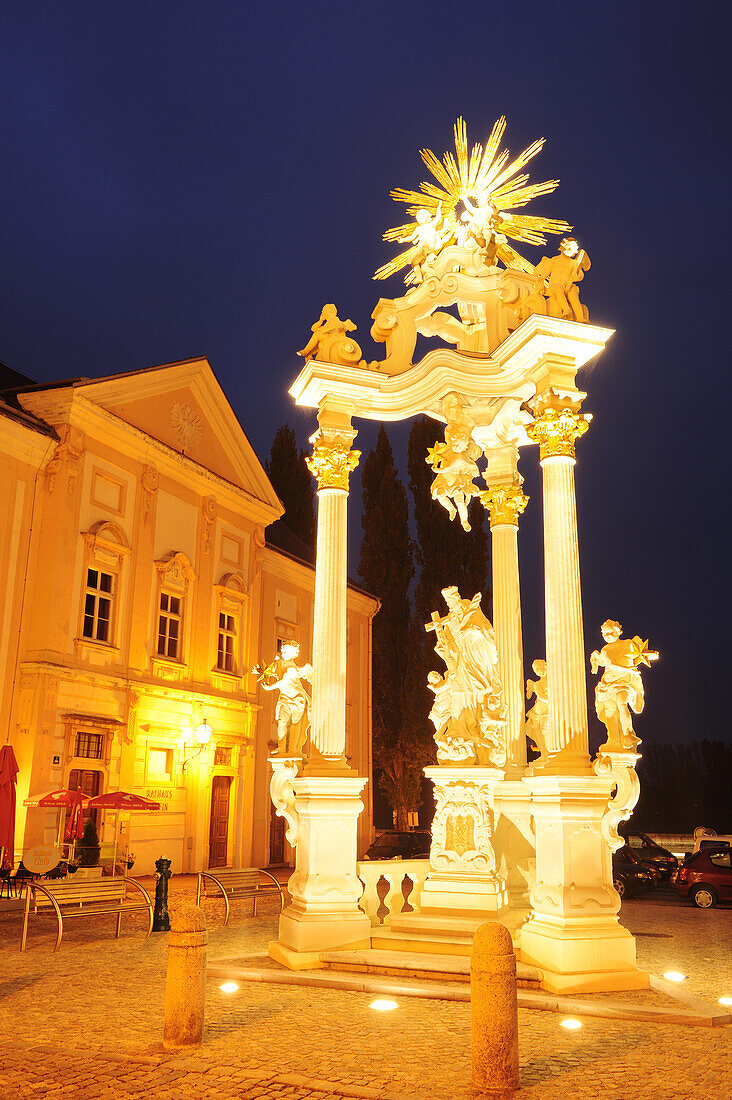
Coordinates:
(203,734)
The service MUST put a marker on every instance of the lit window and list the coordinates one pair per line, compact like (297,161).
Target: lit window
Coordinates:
(169,626)
(97,605)
(227,641)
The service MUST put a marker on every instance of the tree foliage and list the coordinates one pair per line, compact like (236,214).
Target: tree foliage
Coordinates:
(387,567)
(293,483)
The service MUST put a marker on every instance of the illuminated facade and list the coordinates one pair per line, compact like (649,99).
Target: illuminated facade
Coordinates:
(139,588)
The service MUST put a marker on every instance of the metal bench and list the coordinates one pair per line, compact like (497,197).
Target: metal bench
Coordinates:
(84,898)
(234,883)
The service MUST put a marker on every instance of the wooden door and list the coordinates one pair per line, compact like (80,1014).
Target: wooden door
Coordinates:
(89,783)
(218,835)
(276,838)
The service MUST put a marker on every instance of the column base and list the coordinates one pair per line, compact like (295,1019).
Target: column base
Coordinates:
(325,889)
(593,959)
(464,892)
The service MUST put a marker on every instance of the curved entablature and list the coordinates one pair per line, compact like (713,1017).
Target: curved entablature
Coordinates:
(493,386)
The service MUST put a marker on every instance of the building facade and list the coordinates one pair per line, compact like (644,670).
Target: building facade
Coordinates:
(140,589)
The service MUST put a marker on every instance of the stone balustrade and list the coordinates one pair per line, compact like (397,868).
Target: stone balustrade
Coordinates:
(391,886)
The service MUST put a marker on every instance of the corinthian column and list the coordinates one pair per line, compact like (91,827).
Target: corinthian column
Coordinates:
(557,424)
(331,464)
(505,503)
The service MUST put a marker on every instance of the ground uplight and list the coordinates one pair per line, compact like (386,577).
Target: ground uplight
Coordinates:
(725,1000)
(674,976)
(229,987)
(383,1006)
(571,1025)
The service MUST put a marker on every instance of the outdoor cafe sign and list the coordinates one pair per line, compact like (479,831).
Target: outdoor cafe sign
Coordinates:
(41,859)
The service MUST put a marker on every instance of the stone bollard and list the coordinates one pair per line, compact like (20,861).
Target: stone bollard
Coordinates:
(494,1011)
(185,983)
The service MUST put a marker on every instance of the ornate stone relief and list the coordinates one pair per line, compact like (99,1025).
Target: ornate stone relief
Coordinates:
(66,458)
(462,831)
(621,767)
(332,459)
(187,425)
(258,539)
(133,706)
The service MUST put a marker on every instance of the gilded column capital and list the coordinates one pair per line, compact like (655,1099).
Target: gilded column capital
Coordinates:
(504,503)
(332,459)
(555,430)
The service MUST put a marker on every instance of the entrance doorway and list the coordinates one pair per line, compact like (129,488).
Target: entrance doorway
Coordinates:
(276,838)
(89,782)
(218,835)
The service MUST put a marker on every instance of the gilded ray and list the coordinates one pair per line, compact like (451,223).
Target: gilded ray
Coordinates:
(483,174)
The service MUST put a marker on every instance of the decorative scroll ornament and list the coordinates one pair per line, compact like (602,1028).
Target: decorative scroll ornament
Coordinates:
(208,509)
(620,766)
(150,481)
(555,430)
(504,504)
(66,457)
(332,461)
(187,425)
(282,792)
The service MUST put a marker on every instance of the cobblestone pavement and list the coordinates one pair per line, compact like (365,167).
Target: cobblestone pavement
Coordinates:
(87,1022)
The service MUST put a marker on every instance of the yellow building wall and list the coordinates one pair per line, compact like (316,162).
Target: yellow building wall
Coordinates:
(119,497)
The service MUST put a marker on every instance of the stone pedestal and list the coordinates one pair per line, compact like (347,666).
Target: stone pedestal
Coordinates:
(325,889)
(573,934)
(464,878)
(515,843)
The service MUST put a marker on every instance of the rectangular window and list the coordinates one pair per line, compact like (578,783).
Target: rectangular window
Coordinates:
(227,639)
(98,605)
(90,745)
(169,626)
(222,757)
(159,765)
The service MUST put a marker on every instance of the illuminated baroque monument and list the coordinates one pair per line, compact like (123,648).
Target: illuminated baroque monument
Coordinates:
(509,341)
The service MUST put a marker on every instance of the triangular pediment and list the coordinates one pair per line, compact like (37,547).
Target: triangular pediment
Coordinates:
(184,407)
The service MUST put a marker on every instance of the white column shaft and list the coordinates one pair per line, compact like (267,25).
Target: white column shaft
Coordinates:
(565,651)
(328,726)
(507,622)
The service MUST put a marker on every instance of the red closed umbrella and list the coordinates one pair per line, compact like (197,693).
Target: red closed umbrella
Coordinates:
(8,775)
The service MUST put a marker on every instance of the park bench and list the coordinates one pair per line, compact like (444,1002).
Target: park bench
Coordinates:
(234,883)
(84,898)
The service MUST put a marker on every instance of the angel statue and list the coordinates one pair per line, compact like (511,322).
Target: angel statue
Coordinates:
(557,277)
(428,237)
(620,688)
(292,712)
(477,230)
(537,719)
(453,462)
(330,341)
(469,714)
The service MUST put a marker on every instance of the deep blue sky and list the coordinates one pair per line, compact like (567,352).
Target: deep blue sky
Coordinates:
(199,178)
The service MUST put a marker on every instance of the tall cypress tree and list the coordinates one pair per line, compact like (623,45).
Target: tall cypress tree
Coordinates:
(387,567)
(293,483)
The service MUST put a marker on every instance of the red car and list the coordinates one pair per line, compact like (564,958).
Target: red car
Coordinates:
(705,877)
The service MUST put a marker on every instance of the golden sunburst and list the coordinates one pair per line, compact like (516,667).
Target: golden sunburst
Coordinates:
(483,176)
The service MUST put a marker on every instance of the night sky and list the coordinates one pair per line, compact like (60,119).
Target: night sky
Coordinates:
(197,178)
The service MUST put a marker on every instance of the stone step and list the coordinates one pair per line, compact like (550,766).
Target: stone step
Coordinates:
(416,965)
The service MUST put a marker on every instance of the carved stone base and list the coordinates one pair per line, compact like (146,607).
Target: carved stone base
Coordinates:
(573,934)
(325,889)
(514,841)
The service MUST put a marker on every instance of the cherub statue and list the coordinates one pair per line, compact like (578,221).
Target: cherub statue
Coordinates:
(477,229)
(537,719)
(620,689)
(292,713)
(429,238)
(558,275)
(329,340)
(454,462)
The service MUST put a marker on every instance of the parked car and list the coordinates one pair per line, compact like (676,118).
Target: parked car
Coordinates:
(398,845)
(709,840)
(630,876)
(650,851)
(628,855)
(705,877)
